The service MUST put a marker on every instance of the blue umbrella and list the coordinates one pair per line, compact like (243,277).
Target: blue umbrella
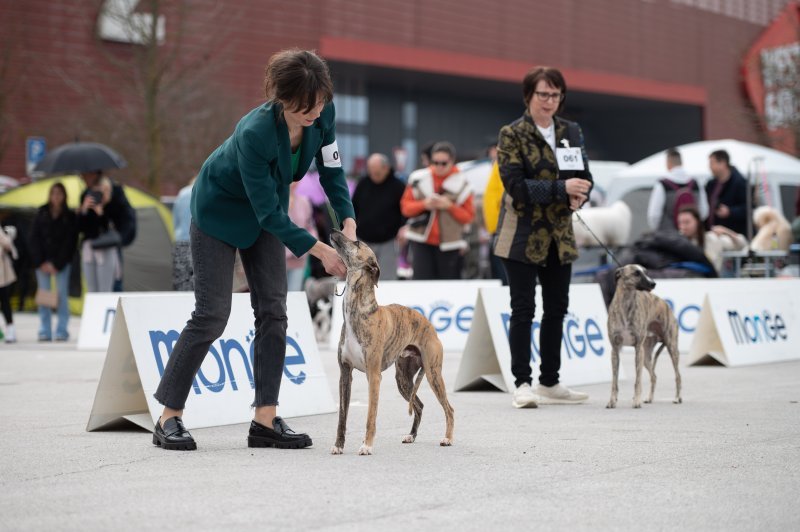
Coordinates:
(78,157)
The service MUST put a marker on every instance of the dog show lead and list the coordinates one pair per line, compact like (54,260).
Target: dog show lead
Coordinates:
(545,173)
(240,201)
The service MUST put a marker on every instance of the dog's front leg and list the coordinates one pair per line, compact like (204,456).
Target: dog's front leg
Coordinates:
(612,403)
(345,384)
(374,382)
(637,387)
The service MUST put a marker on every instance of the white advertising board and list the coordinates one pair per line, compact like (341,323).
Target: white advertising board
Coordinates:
(585,349)
(752,324)
(449,305)
(144,333)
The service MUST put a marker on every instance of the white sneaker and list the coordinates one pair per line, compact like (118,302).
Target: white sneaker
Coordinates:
(559,394)
(524,397)
(11,334)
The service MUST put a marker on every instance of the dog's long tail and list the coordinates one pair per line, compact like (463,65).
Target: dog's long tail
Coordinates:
(655,357)
(420,374)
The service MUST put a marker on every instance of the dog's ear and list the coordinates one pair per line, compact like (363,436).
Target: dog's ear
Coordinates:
(374,271)
(618,274)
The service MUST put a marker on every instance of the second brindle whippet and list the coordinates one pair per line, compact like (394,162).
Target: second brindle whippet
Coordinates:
(641,319)
(373,337)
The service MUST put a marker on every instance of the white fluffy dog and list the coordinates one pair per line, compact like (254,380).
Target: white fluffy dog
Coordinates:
(611,224)
(771,224)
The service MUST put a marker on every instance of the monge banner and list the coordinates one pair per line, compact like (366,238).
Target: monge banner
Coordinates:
(754,325)
(448,305)
(686,296)
(224,388)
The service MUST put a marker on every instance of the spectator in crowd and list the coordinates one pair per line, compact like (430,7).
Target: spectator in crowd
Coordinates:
(492,198)
(107,223)
(535,238)
(52,241)
(672,193)
(437,203)
(425,155)
(7,277)
(376,202)
(301,213)
(727,194)
(182,271)
(796,221)
(690,225)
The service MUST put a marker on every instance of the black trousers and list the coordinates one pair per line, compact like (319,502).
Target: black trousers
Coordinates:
(5,302)
(431,263)
(554,279)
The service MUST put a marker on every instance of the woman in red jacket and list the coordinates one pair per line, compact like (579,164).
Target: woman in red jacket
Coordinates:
(438,203)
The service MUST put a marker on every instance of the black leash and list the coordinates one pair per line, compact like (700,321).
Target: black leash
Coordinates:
(598,240)
(337,226)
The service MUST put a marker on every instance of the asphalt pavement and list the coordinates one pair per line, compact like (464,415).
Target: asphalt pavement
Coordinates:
(728,458)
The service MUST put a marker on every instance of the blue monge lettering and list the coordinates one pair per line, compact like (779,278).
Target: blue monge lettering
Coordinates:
(294,360)
(443,321)
(464,318)
(594,334)
(109,319)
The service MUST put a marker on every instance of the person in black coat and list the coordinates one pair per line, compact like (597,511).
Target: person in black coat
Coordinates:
(727,194)
(376,202)
(52,242)
(107,223)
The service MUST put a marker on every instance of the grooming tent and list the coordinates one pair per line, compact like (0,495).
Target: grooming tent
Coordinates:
(775,174)
(147,262)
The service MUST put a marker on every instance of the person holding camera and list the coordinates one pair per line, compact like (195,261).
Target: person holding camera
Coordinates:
(106,222)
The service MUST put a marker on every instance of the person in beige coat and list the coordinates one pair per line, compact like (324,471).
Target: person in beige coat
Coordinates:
(7,277)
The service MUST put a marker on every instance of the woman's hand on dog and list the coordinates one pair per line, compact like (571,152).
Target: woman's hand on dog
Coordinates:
(330,259)
(349,228)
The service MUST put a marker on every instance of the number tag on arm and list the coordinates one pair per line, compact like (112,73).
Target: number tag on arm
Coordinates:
(569,159)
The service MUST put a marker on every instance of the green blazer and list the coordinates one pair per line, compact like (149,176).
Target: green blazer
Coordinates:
(243,187)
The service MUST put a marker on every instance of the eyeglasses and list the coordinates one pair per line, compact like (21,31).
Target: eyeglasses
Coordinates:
(440,163)
(544,96)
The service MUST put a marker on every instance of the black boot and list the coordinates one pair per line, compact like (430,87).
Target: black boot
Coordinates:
(174,436)
(280,436)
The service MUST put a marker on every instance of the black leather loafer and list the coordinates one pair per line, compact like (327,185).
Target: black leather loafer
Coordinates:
(174,436)
(280,436)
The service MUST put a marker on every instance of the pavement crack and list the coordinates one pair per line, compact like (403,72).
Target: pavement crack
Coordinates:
(82,471)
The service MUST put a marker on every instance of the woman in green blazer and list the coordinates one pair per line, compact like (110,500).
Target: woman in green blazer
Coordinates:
(240,201)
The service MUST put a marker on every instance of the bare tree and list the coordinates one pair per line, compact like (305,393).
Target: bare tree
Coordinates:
(163,114)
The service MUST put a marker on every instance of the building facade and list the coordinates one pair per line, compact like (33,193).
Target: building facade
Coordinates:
(643,75)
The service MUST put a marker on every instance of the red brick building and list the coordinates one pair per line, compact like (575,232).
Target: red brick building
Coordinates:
(643,74)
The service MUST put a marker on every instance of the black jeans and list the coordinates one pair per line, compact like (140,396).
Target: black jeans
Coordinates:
(431,263)
(265,267)
(554,279)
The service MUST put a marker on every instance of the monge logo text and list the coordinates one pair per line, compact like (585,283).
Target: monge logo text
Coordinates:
(757,329)
(444,315)
(220,351)
(577,341)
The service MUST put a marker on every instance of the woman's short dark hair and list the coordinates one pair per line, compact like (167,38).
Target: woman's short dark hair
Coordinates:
(298,78)
(552,76)
(444,147)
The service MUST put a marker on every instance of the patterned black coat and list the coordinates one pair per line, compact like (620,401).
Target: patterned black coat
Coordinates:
(535,207)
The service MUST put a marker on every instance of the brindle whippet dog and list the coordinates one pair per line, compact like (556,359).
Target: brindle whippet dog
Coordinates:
(373,337)
(641,319)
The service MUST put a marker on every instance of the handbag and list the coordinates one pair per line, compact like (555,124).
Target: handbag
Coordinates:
(109,239)
(46,298)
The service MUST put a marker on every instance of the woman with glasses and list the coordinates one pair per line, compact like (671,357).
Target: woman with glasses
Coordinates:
(545,173)
(438,203)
